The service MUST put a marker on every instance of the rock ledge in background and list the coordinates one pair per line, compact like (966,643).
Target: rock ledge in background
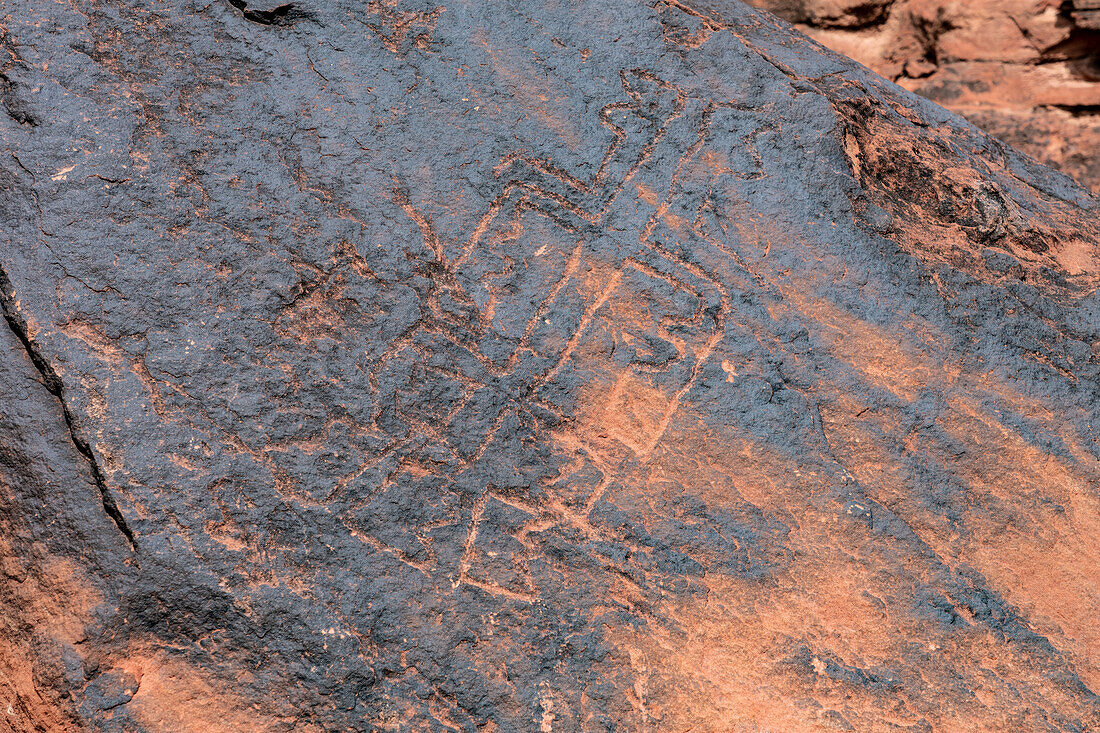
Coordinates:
(1027,71)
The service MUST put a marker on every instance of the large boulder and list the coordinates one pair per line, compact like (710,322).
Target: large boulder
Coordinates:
(512,366)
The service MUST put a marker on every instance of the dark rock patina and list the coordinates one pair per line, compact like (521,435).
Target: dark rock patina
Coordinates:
(507,366)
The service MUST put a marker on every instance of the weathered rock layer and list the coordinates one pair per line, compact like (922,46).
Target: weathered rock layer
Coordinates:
(508,366)
(1026,70)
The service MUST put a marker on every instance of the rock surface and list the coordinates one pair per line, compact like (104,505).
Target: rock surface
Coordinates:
(589,366)
(1026,70)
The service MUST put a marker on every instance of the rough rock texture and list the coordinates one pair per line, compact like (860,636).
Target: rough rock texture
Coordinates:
(588,366)
(1026,70)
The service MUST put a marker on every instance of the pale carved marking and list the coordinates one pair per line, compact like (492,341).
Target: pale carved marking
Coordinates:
(401,30)
(577,206)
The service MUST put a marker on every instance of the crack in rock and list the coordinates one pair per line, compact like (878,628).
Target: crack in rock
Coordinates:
(53,384)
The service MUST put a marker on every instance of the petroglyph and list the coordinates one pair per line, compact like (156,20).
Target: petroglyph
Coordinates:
(399,28)
(538,250)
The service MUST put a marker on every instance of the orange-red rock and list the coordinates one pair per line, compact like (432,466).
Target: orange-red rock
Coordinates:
(1026,70)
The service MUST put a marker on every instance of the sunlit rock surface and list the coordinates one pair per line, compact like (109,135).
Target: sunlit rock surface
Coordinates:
(1027,71)
(588,366)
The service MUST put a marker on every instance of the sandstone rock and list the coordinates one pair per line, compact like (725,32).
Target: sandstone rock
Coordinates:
(1026,70)
(530,367)
(832,13)
(1086,13)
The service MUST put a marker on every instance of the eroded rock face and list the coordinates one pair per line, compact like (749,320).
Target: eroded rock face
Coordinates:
(530,367)
(1026,70)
